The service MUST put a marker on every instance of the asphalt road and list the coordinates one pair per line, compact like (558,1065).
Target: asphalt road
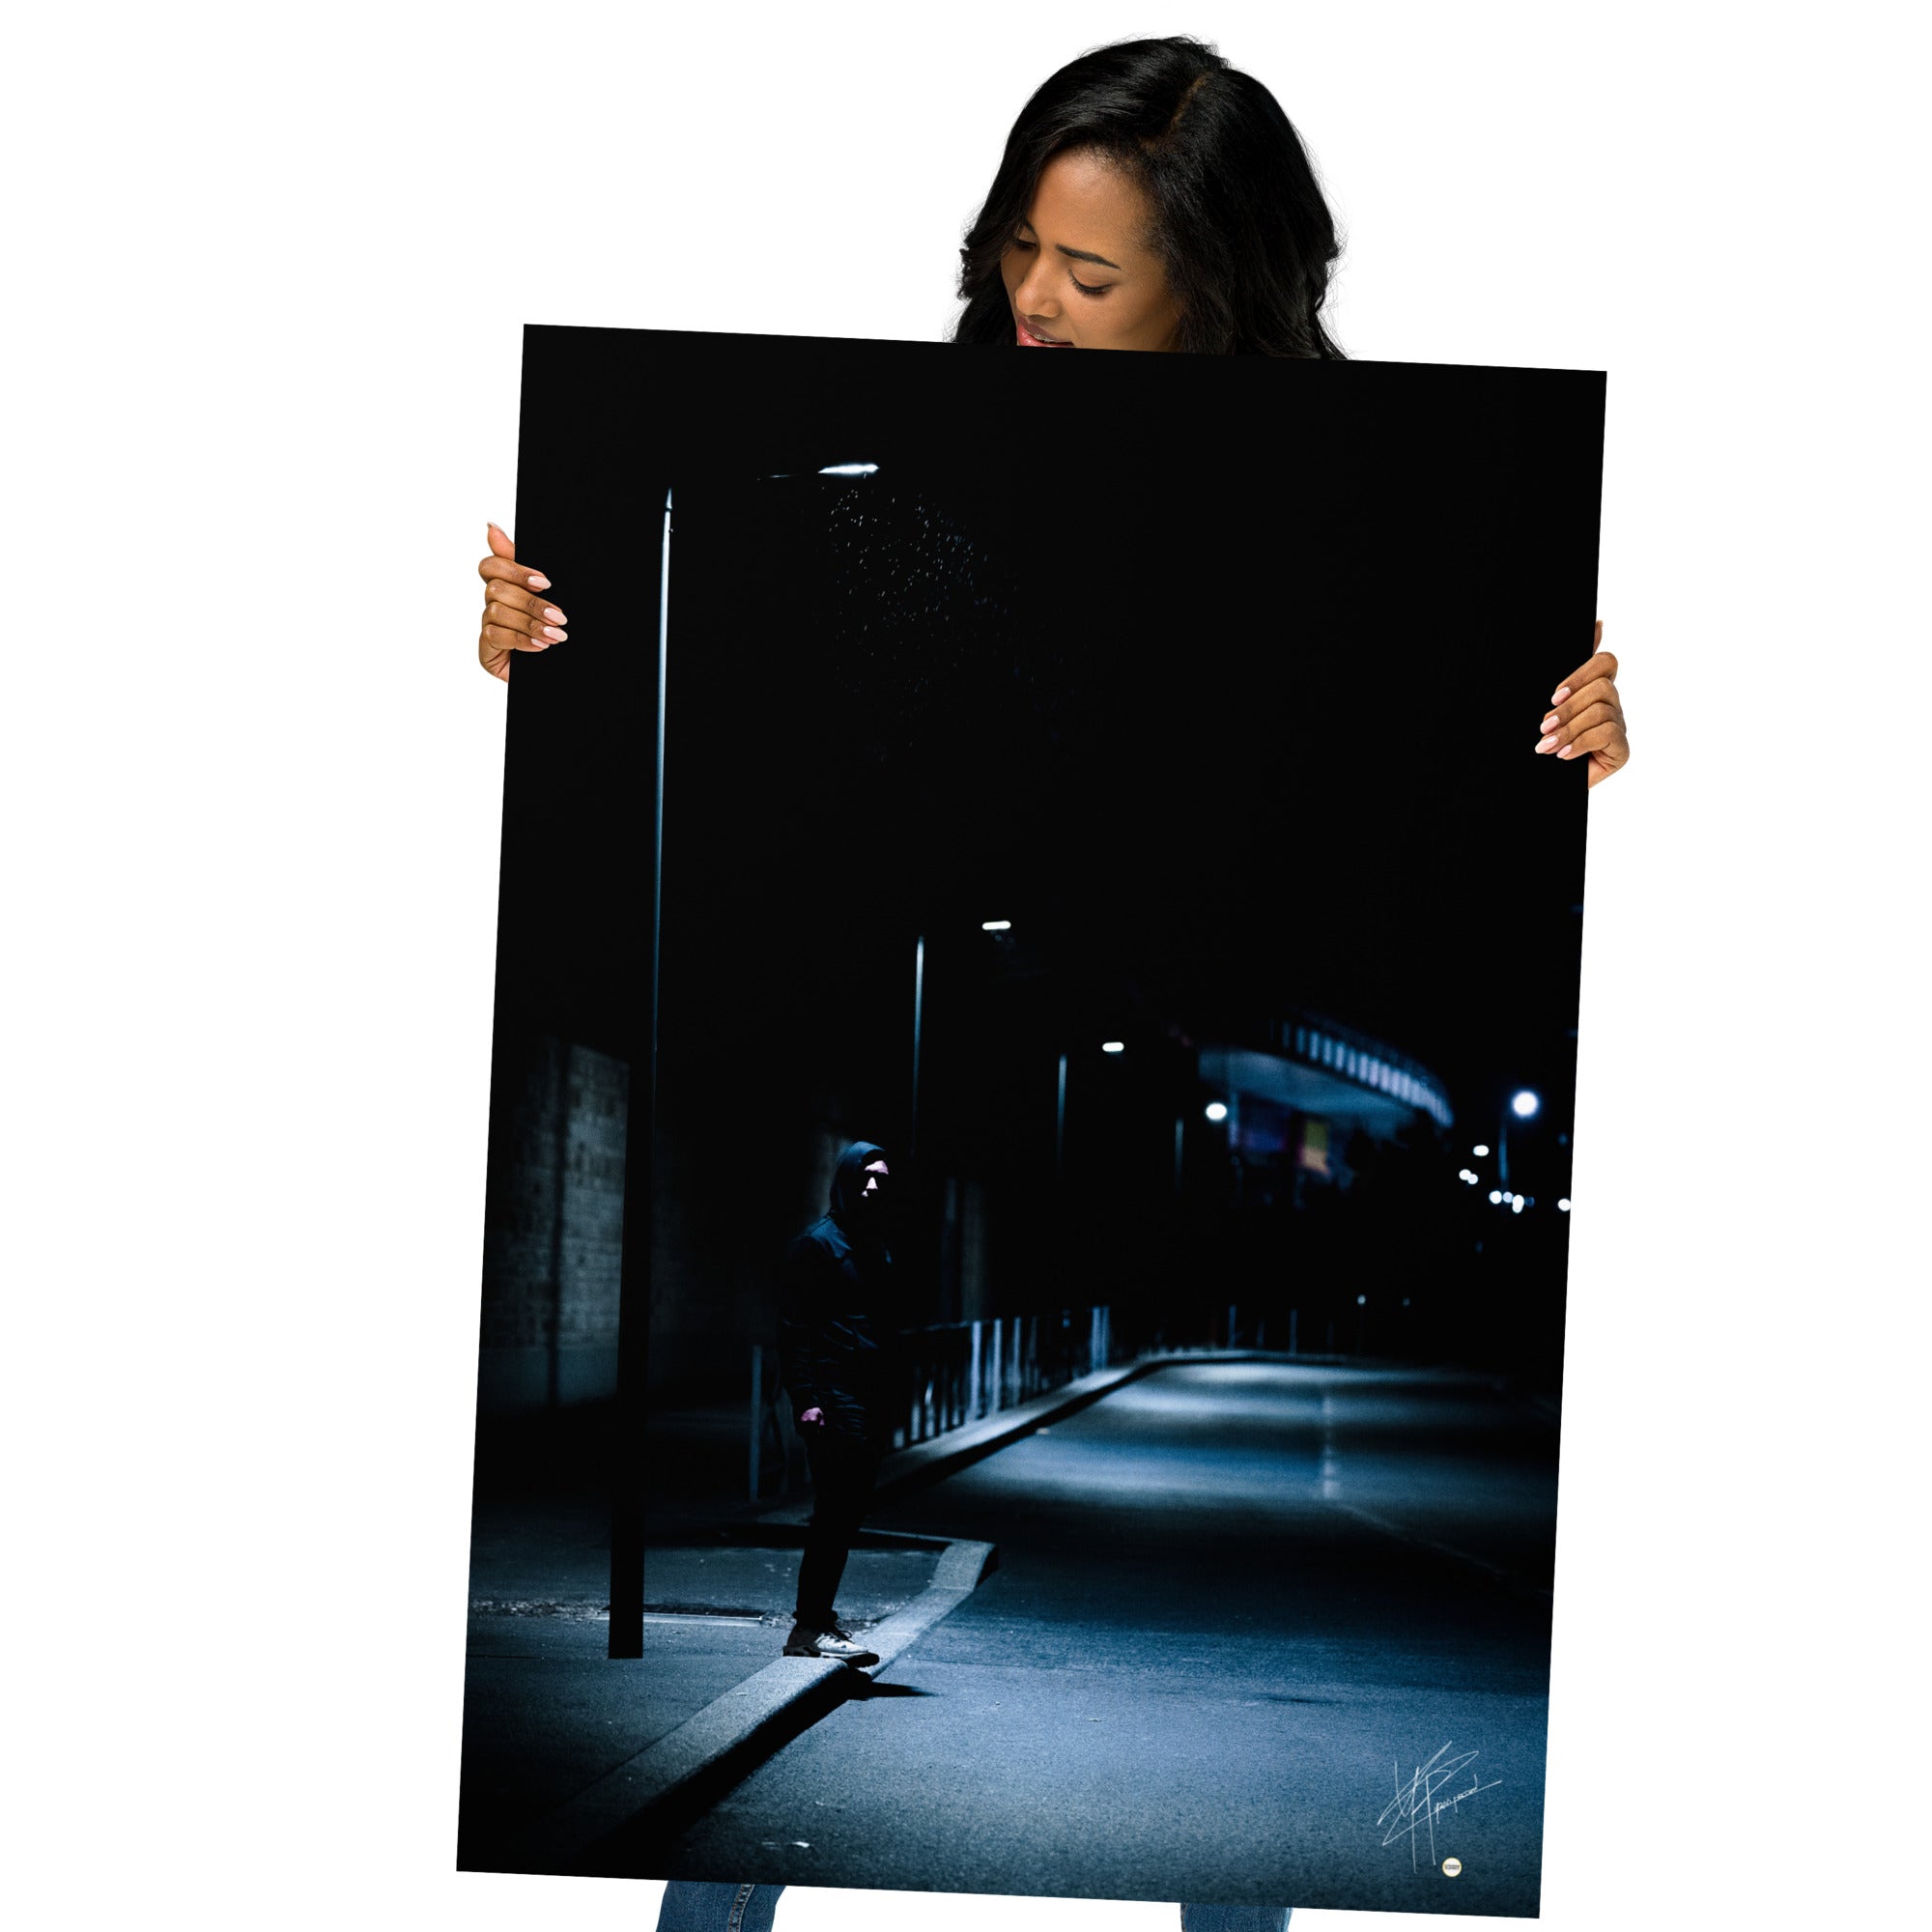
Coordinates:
(1257,1632)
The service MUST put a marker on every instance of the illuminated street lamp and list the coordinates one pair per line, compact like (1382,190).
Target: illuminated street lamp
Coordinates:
(626,1628)
(1523,1104)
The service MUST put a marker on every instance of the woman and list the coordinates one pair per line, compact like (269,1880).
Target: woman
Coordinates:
(1150,198)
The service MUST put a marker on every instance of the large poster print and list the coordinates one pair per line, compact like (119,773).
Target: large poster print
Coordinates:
(1032,1121)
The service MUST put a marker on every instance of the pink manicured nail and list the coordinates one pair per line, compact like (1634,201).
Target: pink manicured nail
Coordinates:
(1546,744)
(538,582)
(556,616)
(1550,724)
(538,644)
(1566,751)
(554,633)
(1561,694)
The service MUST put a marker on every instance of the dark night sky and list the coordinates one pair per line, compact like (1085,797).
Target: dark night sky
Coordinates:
(1202,756)
(1218,676)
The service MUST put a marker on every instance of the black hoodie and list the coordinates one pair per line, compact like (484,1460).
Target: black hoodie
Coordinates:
(836,1312)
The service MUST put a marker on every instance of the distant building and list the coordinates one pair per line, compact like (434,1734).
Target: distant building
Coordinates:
(1295,1103)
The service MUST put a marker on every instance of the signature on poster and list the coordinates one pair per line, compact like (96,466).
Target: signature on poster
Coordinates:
(1412,1810)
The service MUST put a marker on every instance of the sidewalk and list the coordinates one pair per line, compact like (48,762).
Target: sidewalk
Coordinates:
(563,1743)
(548,1712)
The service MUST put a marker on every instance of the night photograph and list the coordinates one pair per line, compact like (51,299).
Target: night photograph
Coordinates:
(1052,1370)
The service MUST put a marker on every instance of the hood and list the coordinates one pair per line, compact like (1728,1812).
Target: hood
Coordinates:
(848,1180)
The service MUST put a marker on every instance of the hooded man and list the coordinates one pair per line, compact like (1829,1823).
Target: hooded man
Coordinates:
(834,1316)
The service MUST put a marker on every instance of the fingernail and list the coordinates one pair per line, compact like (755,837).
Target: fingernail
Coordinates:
(554,633)
(1566,751)
(539,582)
(497,527)
(1545,743)
(538,644)
(556,616)
(1550,724)
(1557,697)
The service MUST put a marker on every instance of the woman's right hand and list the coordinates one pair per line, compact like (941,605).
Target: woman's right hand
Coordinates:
(514,617)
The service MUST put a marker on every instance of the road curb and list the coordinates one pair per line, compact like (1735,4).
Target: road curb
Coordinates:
(931,1462)
(588,1834)
(934,1461)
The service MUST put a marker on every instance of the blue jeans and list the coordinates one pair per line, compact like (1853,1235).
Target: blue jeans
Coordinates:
(693,1905)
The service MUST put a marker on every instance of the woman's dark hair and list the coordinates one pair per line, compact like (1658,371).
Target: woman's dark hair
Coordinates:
(1240,225)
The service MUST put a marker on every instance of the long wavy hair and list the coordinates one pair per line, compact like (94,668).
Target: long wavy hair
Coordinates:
(1238,223)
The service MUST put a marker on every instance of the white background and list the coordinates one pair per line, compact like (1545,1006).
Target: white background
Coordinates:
(268,267)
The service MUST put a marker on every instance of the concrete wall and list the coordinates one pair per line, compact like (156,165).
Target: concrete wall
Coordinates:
(555,1226)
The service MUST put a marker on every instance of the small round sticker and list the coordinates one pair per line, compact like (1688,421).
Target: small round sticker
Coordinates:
(1450,1867)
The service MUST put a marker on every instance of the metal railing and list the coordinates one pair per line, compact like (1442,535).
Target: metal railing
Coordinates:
(949,1375)
(959,1372)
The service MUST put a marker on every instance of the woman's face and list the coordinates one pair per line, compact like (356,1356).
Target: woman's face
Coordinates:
(1077,272)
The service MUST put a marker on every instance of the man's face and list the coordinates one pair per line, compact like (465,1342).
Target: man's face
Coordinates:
(873,1196)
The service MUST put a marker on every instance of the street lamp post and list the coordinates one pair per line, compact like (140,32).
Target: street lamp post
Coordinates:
(634,1292)
(1523,1103)
(918,1015)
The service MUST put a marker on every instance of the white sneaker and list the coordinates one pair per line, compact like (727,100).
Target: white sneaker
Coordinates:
(835,1644)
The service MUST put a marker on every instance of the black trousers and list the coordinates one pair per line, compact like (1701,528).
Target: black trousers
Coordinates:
(844,1471)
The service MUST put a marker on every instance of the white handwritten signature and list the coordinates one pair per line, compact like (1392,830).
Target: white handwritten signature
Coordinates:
(1414,1806)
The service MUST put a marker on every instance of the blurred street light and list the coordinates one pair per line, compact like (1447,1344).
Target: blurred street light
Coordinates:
(1113,1047)
(1522,1105)
(1217,1109)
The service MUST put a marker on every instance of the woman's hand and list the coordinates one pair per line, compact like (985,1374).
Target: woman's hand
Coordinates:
(1587,715)
(814,1416)
(514,619)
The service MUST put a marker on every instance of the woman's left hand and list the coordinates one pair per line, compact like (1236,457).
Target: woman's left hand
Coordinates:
(1586,715)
